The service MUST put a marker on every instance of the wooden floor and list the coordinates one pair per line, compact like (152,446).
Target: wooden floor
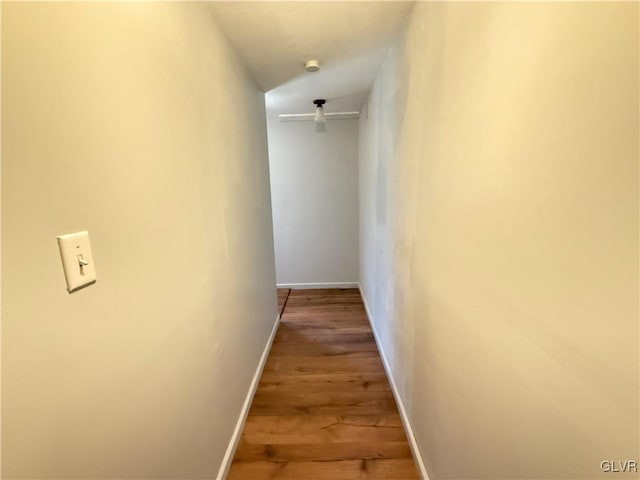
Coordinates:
(323,408)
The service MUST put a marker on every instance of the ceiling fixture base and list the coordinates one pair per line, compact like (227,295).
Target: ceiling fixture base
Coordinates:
(312,66)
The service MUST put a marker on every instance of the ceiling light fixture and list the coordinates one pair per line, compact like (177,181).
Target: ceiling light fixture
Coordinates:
(303,117)
(319,117)
(312,66)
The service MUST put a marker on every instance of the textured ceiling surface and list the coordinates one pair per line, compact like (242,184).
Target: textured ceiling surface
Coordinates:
(275,38)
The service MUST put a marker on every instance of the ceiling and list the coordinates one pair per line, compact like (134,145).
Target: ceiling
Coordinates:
(275,38)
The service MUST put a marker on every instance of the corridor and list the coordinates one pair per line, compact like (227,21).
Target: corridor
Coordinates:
(446,194)
(323,408)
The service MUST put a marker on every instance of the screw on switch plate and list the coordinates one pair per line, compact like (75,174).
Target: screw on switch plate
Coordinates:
(77,261)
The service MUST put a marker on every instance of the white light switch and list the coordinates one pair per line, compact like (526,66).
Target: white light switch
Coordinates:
(77,260)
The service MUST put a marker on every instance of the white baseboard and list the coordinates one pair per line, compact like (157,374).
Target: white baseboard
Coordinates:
(237,433)
(403,412)
(295,286)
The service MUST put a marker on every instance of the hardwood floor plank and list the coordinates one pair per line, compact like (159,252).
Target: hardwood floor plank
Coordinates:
(356,408)
(315,349)
(323,408)
(296,452)
(384,400)
(343,363)
(309,384)
(323,429)
(304,323)
(378,469)
(322,335)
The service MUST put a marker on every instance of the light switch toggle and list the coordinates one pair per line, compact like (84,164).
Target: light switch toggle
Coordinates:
(83,263)
(77,261)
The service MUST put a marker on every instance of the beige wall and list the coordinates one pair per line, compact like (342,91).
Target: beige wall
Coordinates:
(137,122)
(499,234)
(314,180)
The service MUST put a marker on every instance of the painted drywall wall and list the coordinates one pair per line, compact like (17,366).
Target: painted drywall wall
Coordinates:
(314,190)
(137,122)
(499,235)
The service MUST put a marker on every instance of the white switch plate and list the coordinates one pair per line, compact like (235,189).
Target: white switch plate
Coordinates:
(77,260)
